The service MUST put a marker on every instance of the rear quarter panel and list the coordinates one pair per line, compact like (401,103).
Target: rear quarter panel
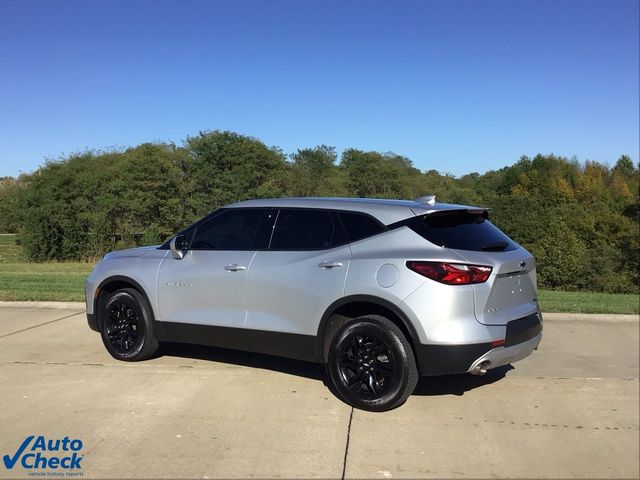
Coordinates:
(426,303)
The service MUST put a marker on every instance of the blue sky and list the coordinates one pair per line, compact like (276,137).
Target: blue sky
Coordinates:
(457,86)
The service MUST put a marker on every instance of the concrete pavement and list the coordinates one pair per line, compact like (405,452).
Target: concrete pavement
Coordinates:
(569,410)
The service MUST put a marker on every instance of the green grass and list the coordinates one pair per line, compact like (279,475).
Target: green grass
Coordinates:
(51,281)
(588,302)
(60,282)
(64,282)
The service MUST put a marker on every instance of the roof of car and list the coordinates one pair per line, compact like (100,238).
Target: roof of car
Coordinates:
(386,211)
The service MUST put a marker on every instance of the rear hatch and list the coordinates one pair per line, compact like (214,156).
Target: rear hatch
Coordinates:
(510,291)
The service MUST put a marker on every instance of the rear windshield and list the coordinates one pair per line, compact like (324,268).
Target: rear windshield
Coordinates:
(462,231)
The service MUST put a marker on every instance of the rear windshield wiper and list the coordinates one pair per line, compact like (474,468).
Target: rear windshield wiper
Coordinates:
(495,247)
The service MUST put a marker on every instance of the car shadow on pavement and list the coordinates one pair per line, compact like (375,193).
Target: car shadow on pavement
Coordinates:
(427,386)
(246,359)
(459,384)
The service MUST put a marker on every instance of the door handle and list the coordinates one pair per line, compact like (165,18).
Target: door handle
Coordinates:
(329,264)
(234,267)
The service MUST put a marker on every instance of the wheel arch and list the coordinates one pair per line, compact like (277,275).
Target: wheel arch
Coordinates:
(354,306)
(112,284)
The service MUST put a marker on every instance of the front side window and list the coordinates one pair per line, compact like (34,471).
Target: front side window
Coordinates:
(302,230)
(233,229)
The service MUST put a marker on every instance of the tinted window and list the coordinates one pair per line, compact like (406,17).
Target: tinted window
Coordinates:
(462,231)
(302,230)
(359,226)
(233,229)
(263,234)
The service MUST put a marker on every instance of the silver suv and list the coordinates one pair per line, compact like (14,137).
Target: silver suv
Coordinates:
(380,291)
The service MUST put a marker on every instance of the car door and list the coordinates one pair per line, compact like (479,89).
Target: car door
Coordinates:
(304,270)
(208,285)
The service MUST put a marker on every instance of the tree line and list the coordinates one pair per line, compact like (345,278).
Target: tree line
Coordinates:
(580,220)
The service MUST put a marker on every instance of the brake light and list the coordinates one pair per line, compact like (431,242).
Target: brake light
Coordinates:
(451,273)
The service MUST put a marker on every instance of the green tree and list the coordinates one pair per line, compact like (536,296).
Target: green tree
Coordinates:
(560,255)
(625,166)
(314,173)
(89,203)
(374,174)
(10,191)
(153,208)
(225,167)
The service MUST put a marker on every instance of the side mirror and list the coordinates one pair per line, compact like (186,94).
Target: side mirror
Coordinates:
(178,246)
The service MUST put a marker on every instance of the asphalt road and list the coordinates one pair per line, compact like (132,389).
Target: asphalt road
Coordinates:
(569,410)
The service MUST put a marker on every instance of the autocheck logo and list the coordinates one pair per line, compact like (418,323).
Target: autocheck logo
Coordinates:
(40,453)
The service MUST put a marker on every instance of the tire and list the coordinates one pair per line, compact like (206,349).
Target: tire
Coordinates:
(371,365)
(126,326)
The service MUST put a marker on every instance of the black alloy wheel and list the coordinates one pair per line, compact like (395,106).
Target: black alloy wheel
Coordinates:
(371,365)
(126,326)
(366,365)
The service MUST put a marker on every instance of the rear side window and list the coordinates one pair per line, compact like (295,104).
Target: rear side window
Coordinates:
(359,226)
(462,231)
(302,230)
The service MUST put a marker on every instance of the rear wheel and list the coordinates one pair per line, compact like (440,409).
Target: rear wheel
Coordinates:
(126,326)
(371,364)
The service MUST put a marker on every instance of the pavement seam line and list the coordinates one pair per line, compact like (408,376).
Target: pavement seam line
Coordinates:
(346,449)
(40,325)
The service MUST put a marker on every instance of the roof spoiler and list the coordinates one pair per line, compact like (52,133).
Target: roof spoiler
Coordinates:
(484,212)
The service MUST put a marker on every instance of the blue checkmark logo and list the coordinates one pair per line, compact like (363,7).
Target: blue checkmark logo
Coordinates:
(10,462)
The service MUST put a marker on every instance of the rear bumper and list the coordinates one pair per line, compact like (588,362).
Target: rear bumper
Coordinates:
(523,329)
(506,355)
(522,337)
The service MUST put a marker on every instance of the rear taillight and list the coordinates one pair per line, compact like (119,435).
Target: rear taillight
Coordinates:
(451,273)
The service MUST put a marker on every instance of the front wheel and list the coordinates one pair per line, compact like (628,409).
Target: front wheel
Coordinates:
(371,364)
(126,326)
